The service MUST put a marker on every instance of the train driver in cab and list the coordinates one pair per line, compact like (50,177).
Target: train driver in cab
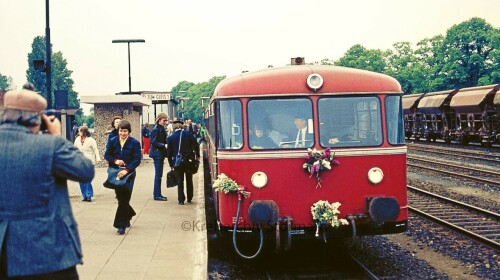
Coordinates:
(304,137)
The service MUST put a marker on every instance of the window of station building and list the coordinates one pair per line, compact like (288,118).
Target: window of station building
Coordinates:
(280,124)
(350,121)
(229,124)
(394,118)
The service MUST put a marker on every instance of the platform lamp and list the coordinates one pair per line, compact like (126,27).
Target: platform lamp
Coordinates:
(128,41)
(182,99)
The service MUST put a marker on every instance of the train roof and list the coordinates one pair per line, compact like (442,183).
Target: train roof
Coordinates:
(291,80)
(473,97)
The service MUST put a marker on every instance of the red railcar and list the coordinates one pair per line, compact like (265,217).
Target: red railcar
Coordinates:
(355,113)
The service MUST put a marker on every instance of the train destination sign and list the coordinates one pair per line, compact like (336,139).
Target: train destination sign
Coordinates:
(156,96)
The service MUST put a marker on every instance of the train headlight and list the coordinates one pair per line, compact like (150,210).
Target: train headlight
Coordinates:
(375,175)
(259,179)
(314,81)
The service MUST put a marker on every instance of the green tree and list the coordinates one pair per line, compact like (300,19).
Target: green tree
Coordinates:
(361,58)
(61,75)
(6,83)
(401,64)
(468,48)
(192,106)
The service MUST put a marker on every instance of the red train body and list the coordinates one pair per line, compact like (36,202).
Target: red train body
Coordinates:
(357,114)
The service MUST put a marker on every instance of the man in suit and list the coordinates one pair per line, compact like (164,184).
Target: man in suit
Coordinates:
(303,138)
(38,233)
(189,151)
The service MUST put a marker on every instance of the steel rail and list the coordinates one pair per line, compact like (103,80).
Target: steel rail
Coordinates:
(470,234)
(456,175)
(487,172)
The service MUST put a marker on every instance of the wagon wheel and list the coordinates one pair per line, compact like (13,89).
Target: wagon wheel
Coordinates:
(465,140)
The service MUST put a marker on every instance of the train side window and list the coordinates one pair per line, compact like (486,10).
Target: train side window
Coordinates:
(229,123)
(394,118)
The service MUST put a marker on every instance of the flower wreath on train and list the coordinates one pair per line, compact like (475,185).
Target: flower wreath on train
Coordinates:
(317,161)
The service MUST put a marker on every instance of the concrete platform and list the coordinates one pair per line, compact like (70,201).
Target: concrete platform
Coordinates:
(165,240)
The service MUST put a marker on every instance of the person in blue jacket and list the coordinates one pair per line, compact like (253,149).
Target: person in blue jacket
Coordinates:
(158,152)
(38,233)
(124,151)
(184,143)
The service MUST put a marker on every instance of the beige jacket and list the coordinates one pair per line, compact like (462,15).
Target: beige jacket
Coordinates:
(89,148)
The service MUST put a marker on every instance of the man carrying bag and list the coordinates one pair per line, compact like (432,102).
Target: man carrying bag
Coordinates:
(181,148)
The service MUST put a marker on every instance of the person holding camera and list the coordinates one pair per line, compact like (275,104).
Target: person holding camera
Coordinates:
(183,143)
(38,233)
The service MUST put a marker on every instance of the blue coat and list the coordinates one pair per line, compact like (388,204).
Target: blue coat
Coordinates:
(37,226)
(157,142)
(189,146)
(131,153)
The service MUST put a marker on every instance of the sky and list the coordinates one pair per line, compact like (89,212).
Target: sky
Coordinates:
(195,40)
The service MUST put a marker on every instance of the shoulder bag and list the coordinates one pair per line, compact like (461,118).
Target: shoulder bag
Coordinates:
(179,161)
(112,182)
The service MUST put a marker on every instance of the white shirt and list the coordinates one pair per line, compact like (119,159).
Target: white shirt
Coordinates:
(300,141)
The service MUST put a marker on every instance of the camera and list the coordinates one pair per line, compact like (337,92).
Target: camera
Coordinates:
(43,125)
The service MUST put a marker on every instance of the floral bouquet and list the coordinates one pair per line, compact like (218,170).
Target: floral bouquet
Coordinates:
(226,185)
(324,213)
(316,161)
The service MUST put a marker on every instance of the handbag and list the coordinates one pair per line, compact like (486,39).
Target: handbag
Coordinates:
(179,160)
(171,179)
(112,182)
(192,165)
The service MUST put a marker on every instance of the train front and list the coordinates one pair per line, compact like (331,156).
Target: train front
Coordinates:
(299,162)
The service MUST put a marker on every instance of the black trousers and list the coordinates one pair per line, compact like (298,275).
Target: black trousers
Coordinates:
(124,212)
(179,175)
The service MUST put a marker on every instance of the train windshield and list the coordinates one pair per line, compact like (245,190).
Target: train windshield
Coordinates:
(280,124)
(394,118)
(350,121)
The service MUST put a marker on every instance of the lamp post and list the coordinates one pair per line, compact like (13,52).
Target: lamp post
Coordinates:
(202,106)
(48,57)
(128,41)
(182,99)
(203,98)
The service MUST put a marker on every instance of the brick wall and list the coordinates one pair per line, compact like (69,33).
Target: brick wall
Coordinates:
(104,114)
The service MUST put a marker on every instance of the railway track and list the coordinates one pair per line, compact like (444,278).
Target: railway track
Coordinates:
(469,154)
(349,268)
(487,177)
(477,224)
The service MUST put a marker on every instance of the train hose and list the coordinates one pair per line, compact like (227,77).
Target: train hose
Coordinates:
(234,234)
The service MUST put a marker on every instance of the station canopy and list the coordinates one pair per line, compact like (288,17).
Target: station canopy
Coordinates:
(471,99)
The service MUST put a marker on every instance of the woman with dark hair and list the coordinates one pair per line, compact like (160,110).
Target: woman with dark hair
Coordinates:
(114,127)
(124,151)
(88,147)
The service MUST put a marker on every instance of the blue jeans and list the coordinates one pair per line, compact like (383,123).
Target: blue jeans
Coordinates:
(158,162)
(87,191)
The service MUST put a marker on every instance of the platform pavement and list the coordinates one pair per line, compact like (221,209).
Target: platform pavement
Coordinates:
(165,241)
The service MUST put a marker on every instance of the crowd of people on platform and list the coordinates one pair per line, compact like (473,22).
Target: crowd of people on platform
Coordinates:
(28,135)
